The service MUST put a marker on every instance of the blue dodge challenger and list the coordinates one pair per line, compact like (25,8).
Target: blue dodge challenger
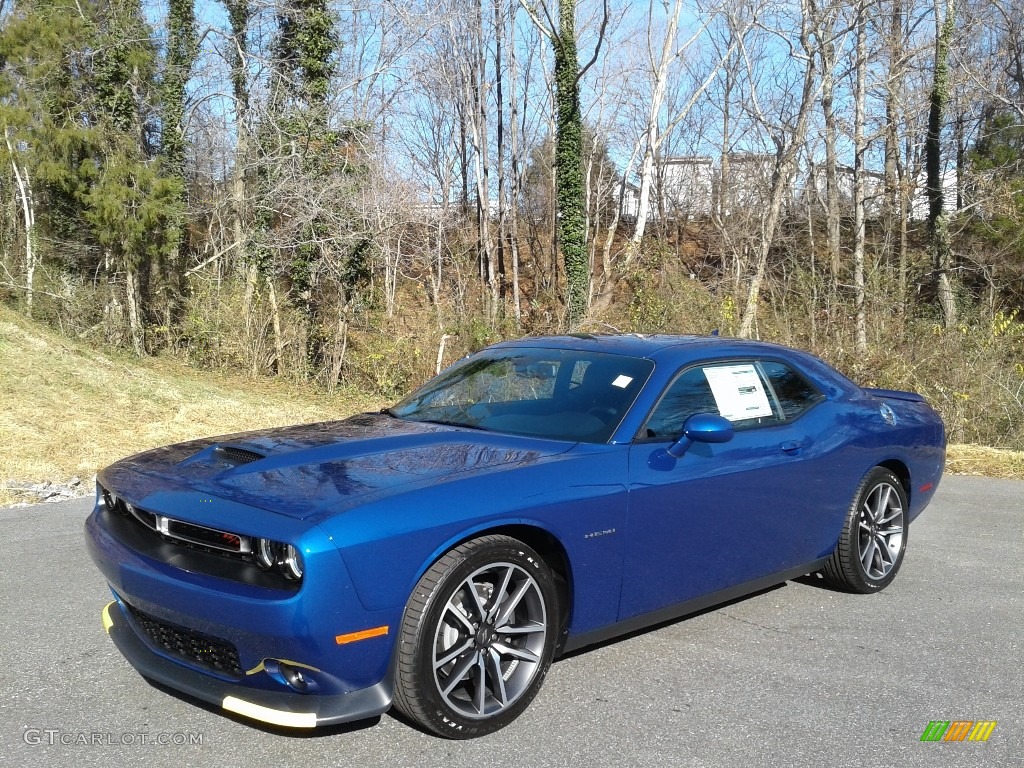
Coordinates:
(536,497)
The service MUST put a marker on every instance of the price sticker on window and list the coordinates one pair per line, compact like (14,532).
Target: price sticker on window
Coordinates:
(739,393)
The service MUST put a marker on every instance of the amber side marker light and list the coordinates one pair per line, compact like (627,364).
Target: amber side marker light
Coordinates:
(363,634)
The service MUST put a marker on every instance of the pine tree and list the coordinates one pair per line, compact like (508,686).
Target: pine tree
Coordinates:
(182,47)
(79,89)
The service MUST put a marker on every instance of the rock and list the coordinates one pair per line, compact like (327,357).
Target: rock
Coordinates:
(48,491)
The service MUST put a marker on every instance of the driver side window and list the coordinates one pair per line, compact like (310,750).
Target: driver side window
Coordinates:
(747,393)
(689,394)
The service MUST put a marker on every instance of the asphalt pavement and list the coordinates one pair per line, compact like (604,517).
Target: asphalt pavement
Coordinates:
(795,676)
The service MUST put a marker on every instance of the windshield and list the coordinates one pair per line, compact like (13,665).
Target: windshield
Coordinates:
(551,393)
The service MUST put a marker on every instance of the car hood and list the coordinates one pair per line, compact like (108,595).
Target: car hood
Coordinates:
(327,467)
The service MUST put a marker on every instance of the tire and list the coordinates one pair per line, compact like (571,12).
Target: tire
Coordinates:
(874,536)
(477,638)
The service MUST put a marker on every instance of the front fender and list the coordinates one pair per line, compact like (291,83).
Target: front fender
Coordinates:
(580,500)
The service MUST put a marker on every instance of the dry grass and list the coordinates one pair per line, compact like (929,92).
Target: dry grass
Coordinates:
(985,461)
(66,409)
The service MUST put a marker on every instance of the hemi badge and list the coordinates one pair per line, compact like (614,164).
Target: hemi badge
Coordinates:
(363,634)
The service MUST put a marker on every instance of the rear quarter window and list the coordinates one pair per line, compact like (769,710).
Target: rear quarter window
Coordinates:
(793,392)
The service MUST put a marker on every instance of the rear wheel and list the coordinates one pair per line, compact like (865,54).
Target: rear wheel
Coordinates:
(477,638)
(874,536)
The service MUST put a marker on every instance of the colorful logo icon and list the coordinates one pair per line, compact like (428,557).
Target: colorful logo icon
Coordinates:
(958,730)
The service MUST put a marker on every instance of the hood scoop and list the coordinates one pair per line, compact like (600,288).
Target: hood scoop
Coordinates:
(237,456)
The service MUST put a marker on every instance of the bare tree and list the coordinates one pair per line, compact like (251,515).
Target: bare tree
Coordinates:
(896,211)
(826,18)
(654,133)
(788,138)
(24,185)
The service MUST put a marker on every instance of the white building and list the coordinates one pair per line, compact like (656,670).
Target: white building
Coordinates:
(630,202)
(692,185)
(874,188)
(746,184)
(919,199)
(688,185)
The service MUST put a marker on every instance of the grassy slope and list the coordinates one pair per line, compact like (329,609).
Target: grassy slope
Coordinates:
(66,409)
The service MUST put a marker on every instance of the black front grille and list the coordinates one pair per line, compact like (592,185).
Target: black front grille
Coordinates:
(207,537)
(209,652)
(188,534)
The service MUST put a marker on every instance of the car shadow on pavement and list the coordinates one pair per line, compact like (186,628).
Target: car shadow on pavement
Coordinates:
(812,580)
(817,581)
(667,623)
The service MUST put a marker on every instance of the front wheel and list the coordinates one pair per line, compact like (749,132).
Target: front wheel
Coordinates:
(874,536)
(477,638)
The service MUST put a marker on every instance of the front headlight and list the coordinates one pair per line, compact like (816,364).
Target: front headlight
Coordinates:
(292,563)
(285,558)
(264,554)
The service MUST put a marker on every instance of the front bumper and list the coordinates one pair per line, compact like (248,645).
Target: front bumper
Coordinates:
(276,707)
(238,644)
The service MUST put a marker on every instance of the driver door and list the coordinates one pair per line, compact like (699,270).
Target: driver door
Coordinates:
(725,514)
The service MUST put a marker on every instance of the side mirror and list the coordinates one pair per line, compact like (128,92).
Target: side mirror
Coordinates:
(701,428)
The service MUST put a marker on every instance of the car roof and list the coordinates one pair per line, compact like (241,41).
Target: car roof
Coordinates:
(645,346)
(682,350)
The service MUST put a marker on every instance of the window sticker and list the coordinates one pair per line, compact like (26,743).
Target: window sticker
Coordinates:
(738,392)
(622,381)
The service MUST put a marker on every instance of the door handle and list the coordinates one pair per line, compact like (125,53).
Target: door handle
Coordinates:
(791,446)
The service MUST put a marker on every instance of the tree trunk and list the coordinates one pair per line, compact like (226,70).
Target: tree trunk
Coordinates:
(134,316)
(238,14)
(275,314)
(572,233)
(478,131)
(832,203)
(340,346)
(499,131)
(517,181)
(182,47)
(722,205)
(860,149)
(938,225)
(609,274)
(251,337)
(895,211)
(29,218)
(652,138)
